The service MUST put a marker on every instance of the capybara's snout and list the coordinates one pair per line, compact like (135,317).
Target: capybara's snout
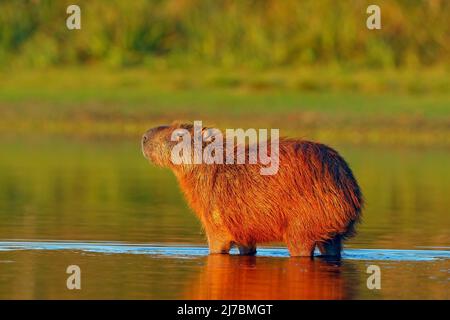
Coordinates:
(150,140)
(150,133)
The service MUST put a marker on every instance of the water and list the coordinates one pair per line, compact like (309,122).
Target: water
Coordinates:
(99,205)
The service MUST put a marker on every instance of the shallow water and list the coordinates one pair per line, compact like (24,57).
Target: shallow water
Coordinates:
(99,205)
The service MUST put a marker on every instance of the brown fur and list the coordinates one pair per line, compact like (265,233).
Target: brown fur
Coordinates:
(312,200)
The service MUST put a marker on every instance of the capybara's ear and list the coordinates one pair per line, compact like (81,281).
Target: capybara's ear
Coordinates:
(187,126)
(181,124)
(211,134)
(208,133)
(176,123)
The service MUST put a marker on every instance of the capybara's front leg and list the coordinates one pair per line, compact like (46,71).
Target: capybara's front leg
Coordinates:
(299,247)
(298,243)
(247,250)
(219,239)
(217,243)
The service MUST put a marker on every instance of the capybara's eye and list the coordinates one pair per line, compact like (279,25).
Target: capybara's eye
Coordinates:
(179,135)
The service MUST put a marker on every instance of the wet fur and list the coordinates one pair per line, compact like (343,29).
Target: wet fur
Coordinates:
(314,198)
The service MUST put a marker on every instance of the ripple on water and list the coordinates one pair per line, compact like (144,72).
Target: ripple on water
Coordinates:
(185,251)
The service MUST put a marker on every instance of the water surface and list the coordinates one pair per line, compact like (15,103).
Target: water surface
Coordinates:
(99,205)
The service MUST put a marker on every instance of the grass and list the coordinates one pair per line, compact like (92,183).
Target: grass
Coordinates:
(380,107)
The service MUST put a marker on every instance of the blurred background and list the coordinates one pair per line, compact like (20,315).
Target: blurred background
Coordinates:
(230,63)
(74,104)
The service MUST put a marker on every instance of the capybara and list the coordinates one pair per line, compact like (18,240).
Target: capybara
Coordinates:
(313,199)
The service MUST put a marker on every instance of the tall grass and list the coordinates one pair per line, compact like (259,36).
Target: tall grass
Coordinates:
(258,34)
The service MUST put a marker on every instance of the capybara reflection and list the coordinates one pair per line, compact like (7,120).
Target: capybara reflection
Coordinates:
(228,277)
(312,200)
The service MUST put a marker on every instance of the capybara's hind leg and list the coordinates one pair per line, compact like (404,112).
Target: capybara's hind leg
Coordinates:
(331,248)
(247,250)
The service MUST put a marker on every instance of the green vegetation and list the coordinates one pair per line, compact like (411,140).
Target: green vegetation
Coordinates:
(257,34)
(335,107)
(311,68)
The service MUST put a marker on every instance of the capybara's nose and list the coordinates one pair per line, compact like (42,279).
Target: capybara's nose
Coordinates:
(144,138)
(150,133)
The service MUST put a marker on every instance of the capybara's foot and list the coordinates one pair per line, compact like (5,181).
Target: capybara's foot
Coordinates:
(218,246)
(214,251)
(331,248)
(247,250)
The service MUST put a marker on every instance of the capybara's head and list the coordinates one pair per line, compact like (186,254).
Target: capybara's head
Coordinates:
(156,145)
(159,142)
